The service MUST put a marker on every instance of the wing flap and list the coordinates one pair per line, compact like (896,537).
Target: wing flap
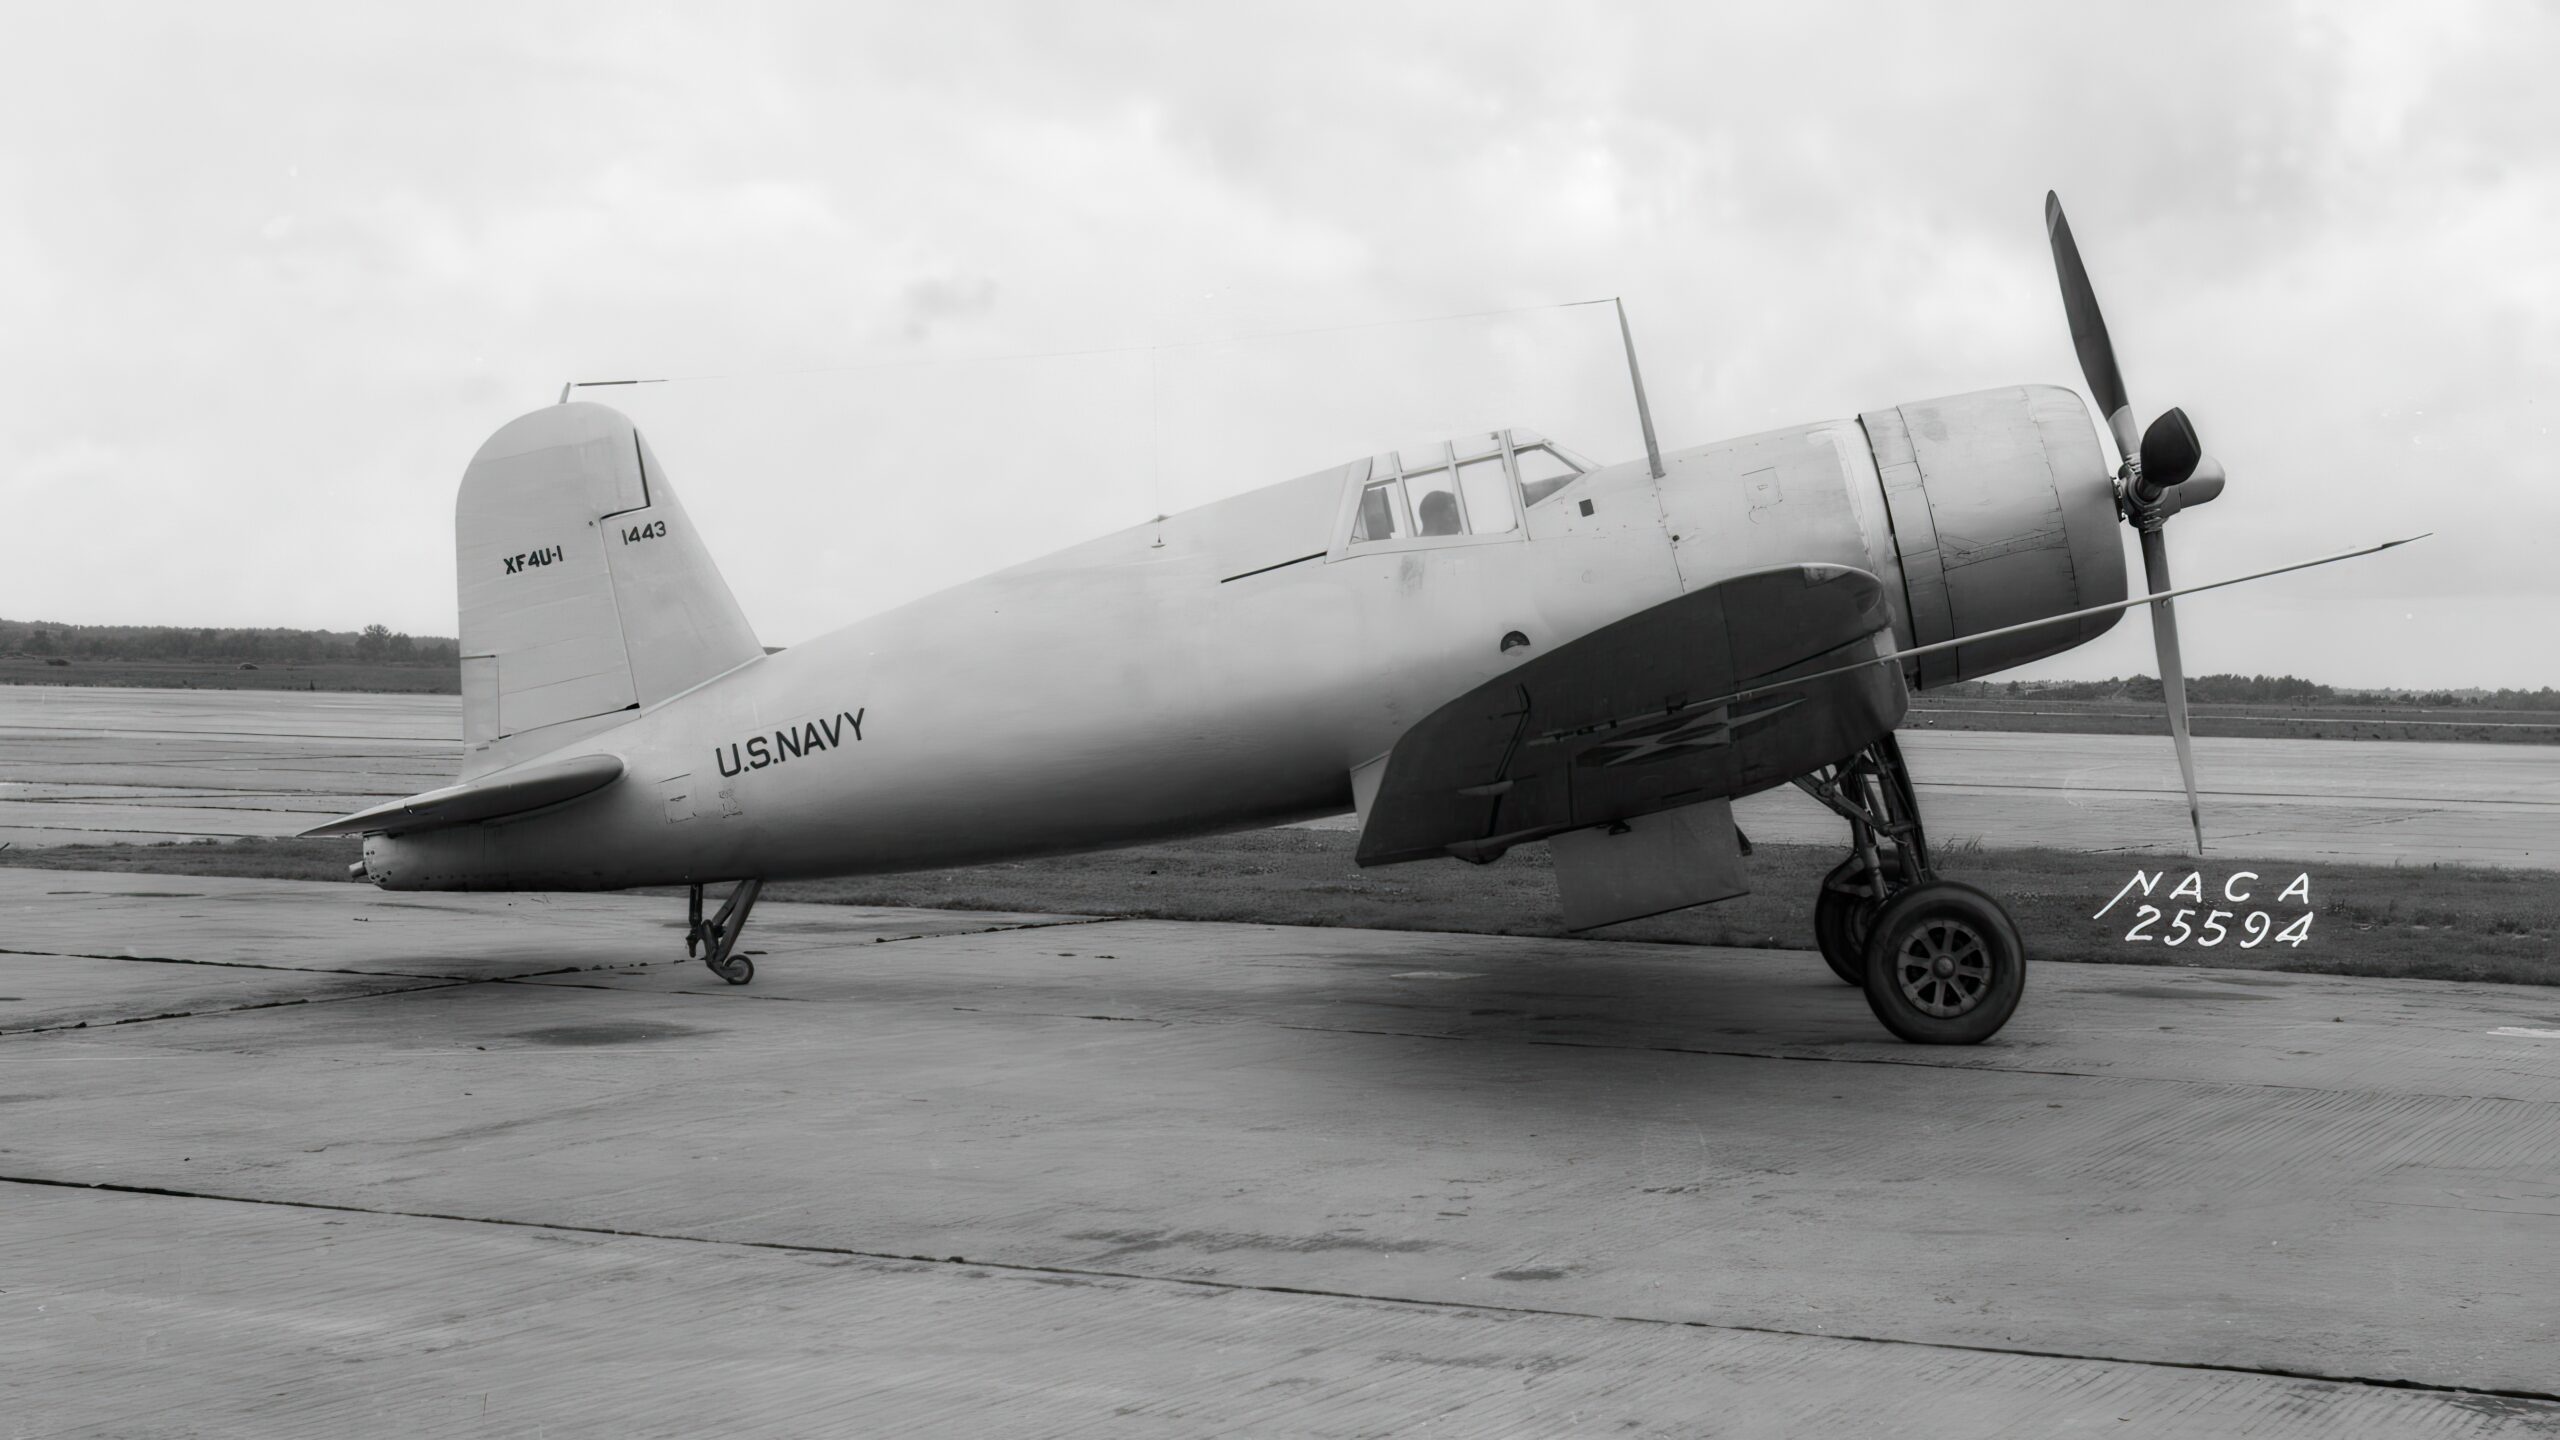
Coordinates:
(492,797)
(1620,722)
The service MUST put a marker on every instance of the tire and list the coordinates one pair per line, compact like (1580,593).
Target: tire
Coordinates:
(1840,923)
(1945,965)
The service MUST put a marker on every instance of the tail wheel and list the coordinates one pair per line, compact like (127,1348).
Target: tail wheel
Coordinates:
(1842,917)
(1945,965)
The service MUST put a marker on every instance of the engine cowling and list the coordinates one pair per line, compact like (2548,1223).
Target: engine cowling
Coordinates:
(2003,511)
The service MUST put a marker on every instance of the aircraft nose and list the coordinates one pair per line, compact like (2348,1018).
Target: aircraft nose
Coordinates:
(2003,511)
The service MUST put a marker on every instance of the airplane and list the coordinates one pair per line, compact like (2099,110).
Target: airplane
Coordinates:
(1474,645)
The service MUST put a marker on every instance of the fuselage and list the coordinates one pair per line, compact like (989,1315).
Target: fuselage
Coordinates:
(1232,666)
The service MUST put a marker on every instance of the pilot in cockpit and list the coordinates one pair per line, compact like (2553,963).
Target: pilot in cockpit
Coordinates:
(1438,513)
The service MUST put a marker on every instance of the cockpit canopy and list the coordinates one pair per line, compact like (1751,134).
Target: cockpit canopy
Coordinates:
(1474,485)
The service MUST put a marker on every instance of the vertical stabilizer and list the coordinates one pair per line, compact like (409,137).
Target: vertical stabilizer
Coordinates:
(585,592)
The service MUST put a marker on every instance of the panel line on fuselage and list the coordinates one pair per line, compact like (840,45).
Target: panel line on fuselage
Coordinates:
(1283,565)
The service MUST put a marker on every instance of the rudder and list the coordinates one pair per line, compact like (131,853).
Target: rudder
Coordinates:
(585,591)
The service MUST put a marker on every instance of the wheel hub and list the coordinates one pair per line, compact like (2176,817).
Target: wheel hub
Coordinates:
(1943,968)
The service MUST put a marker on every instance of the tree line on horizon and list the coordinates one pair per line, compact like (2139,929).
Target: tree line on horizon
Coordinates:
(374,644)
(2250,690)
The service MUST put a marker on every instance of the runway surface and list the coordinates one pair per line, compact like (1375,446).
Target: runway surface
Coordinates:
(87,765)
(102,765)
(318,1160)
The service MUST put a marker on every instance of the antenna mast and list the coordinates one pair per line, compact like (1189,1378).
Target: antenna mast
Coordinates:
(1644,412)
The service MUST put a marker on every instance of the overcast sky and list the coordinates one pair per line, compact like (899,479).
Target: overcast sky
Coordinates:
(269,275)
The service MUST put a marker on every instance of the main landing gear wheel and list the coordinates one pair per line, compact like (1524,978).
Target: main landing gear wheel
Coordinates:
(716,939)
(1941,963)
(1944,965)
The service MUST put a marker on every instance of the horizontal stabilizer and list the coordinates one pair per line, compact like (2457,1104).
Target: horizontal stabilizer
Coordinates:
(492,797)
(1618,724)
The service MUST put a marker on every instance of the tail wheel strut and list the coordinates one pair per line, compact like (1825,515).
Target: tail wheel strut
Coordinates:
(716,939)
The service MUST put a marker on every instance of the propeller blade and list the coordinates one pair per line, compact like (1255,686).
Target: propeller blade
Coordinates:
(2089,331)
(2173,678)
(2170,451)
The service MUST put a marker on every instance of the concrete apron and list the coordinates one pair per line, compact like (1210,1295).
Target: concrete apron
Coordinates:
(1001,1174)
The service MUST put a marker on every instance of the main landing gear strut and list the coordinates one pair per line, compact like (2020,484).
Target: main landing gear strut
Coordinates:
(716,939)
(1940,961)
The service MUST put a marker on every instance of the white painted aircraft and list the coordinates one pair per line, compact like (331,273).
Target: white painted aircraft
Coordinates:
(1487,642)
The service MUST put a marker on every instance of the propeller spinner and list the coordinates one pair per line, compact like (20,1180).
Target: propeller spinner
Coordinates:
(2165,470)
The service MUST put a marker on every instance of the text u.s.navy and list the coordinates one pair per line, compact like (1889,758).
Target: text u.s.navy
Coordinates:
(789,743)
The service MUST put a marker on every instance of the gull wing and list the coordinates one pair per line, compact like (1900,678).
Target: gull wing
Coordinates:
(492,797)
(1627,720)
